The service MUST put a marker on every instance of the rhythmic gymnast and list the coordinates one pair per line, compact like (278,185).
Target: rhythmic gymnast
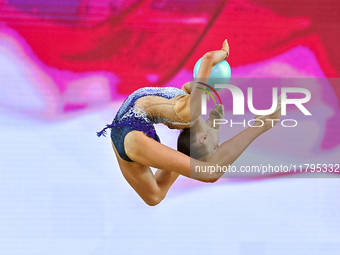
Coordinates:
(137,145)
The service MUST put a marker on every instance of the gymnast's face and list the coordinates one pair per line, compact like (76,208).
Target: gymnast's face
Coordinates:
(209,137)
(206,140)
(211,140)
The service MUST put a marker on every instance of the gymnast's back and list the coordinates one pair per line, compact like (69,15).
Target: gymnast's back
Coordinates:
(141,110)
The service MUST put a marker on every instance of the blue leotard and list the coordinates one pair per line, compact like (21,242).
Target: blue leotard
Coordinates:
(129,118)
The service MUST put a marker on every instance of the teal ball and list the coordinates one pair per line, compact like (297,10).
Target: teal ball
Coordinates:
(220,73)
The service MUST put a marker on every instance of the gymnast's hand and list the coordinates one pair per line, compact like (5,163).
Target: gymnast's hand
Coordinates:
(216,113)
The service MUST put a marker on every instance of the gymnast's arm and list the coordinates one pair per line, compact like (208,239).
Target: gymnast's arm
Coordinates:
(216,113)
(149,152)
(146,151)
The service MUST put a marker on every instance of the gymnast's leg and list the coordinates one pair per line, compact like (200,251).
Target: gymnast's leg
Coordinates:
(145,151)
(152,188)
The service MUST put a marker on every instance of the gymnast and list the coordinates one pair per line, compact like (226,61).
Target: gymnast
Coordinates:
(137,145)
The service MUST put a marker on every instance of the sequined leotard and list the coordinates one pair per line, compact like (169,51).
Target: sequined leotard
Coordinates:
(129,117)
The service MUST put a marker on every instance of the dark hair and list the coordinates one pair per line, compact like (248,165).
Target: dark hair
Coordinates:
(199,151)
(183,141)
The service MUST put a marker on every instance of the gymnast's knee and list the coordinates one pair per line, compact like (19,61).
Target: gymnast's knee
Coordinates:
(154,199)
